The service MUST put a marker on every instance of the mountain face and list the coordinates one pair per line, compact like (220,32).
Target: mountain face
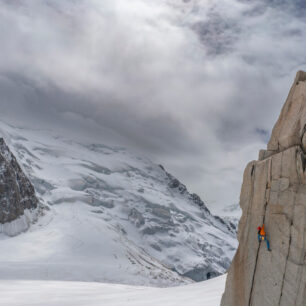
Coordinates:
(17,195)
(113,217)
(231,214)
(274,194)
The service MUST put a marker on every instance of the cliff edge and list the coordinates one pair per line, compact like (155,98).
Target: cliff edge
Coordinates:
(274,193)
(17,194)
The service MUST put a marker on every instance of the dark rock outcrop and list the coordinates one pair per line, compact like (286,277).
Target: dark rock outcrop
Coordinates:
(16,191)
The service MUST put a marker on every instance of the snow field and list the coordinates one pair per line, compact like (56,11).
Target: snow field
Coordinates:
(55,293)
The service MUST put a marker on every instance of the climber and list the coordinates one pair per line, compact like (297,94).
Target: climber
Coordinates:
(262,236)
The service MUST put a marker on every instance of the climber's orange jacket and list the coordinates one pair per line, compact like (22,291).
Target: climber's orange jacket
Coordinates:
(262,231)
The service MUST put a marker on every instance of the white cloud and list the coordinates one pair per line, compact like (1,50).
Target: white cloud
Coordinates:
(194,84)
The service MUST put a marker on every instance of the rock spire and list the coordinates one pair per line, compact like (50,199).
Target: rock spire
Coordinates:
(274,193)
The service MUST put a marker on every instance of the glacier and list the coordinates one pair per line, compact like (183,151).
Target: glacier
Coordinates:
(110,215)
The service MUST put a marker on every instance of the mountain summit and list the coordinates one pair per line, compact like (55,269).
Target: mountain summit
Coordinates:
(274,194)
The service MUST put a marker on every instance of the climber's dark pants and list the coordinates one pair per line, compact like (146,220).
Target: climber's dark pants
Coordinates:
(264,238)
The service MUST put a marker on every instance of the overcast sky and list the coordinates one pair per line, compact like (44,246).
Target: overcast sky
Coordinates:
(196,85)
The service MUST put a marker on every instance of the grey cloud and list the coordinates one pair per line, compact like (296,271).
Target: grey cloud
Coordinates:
(264,134)
(48,104)
(217,34)
(196,85)
(296,7)
(255,10)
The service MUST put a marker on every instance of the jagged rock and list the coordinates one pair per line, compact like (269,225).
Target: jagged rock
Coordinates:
(274,193)
(174,183)
(136,217)
(196,199)
(16,191)
(290,126)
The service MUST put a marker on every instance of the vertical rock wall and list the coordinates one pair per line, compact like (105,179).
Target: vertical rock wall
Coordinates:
(274,193)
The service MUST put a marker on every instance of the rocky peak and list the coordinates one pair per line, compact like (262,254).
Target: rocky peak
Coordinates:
(223,223)
(290,127)
(175,184)
(16,191)
(274,194)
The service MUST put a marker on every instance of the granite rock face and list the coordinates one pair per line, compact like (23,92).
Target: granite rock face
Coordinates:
(274,193)
(16,191)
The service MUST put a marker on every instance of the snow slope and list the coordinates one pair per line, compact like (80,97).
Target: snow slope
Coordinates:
(50,293)
(112,217)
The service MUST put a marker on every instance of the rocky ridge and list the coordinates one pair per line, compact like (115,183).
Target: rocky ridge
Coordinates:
(17,194)
(274,193)
(224,223)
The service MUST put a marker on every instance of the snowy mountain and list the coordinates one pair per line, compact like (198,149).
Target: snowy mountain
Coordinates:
(231,214)
(110,216)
